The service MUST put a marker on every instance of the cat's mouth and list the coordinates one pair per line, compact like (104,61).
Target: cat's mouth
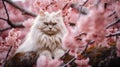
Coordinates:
(51,32)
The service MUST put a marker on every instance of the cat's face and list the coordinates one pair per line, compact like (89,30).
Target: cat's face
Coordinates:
(50,23)
(50,27)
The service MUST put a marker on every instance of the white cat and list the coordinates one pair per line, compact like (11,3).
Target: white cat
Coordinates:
(46,35)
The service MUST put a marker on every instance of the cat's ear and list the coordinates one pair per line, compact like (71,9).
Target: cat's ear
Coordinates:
(41,13)
(59,13)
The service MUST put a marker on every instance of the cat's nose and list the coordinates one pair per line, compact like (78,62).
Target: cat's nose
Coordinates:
(50,28)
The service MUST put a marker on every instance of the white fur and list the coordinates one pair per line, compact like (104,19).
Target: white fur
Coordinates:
(40,39)
(58,53)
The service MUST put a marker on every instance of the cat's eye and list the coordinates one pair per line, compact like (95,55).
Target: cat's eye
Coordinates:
(72,24)
(46,23)
(54,24)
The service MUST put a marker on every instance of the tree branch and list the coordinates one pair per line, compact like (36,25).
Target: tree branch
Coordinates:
(114,34)
(85,2)
(18,25)
(80,8)
(114,12)
(113,23)
(74,58)
(90,42)
(97,2)
(21,9)
(3,19)
(5,9)
(4,29)
(64,54)
(7,55)
(10,27)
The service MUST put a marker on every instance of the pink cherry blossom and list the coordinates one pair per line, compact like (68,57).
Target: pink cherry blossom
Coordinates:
(45,62)
(28,23)
(83,62)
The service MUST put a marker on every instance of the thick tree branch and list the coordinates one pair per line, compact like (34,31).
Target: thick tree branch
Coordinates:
(74,58)
(21,9)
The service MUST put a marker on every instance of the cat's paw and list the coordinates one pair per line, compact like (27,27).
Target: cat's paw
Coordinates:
(47,54)
(58,53)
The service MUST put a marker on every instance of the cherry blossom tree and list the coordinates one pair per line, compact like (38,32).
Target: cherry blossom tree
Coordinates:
(93,30)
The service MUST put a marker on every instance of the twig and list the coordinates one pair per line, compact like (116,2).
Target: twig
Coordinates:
(18,25)
(21,9)
(91,42)
(8,20)
(3,19)
(65,6)
(72,60)
(113,23)
(114,12)
(85,2)
(65,54)
(97,2)
(72,24)
(82,34)
(7,55)
(105,5)
(114,34)
(5,9)
(4,29)
(78,37)
(15,26)
(80,8)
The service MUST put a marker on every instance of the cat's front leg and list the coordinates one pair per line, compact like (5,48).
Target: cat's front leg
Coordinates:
(57,53)
(47,53)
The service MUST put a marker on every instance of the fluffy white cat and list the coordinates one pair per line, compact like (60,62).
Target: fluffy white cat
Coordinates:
(45,36)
